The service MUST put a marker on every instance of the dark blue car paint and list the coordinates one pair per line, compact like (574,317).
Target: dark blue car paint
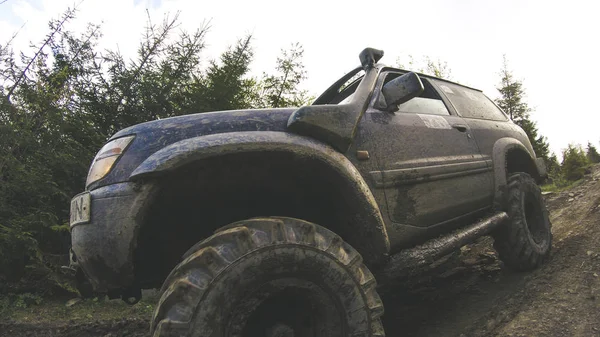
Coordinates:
(105,246)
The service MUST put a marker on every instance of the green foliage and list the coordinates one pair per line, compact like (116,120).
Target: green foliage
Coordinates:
(561,185)
(53,309)
(18,301)
(17,248)
(27,299)
(438,68)
(43,148)
(512,93)
(540,143)
(574,163)
(592,154)
(552,165)
(281,89)
(61,102)
(575,160)
(574,166)
(226,86)
(511,101)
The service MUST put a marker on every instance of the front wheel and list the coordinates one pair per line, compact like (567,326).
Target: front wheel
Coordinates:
(270,277)
(525,241)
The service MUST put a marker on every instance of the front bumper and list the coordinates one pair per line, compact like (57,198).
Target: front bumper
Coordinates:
(104,246)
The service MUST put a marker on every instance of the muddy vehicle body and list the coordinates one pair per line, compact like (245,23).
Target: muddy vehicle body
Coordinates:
(242,216)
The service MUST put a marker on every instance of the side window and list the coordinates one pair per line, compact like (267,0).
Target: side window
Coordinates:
(471,103)
(423,105)
(429,102)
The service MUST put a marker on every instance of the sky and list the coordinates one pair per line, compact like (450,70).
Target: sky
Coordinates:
(549,44)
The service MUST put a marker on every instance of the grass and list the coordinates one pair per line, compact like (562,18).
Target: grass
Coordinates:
(559,188)
(54,310)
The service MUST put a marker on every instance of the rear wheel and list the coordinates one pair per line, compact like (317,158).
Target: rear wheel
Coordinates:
(525,241)
(270,277)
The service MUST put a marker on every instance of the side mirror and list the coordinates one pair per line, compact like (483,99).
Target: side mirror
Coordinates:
(401,89)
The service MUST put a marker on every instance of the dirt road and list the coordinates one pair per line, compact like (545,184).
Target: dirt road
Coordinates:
(468,293)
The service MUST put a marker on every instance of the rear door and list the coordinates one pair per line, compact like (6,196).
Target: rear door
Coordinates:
(430,166)
(486,121)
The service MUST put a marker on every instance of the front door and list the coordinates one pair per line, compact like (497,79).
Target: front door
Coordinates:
(430,167)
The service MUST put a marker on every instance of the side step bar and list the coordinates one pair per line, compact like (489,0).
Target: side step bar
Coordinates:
(408,260)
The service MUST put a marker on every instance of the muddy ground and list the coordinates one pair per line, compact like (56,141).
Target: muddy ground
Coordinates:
(472,295)
(465,294)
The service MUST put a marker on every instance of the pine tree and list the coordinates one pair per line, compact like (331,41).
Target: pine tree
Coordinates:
(226,82)
(592,154)
(574,163)
(511,101)
(553,166)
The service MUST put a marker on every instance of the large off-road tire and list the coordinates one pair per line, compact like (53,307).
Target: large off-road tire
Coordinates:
(270,277)
(524,242)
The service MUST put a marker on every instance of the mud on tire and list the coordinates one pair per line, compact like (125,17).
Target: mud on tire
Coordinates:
(525,241)
(269,277)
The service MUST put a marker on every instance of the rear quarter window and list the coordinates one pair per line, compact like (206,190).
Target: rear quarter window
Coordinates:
(471,103)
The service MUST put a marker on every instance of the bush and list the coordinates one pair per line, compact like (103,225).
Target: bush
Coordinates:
(17,247)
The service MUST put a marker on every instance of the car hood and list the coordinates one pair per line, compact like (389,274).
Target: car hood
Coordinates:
(168,130)
(155,135)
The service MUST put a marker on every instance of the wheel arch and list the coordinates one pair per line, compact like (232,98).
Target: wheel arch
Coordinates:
(511,156)
(250,169)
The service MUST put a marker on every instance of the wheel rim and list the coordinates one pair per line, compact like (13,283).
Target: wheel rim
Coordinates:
(534,218)
(288,307)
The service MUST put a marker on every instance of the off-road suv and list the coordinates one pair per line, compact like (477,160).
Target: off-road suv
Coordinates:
(274,222)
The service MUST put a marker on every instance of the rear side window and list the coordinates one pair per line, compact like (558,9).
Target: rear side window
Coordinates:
(471,103)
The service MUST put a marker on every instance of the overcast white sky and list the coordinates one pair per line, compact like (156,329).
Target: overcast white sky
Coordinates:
(551,45)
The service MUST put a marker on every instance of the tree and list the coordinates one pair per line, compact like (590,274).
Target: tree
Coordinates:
(60,103)
(282,89)
(574,163)
(437,68)
(226,85)
(553,166)
(40,152)
(411,65)
(68,97)
(592,154)
(512,93)
(511,101)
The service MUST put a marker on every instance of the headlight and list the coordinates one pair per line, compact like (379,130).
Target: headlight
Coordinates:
(106,157)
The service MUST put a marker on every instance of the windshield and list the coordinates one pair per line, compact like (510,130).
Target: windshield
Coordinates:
(342,91)
(346,91)
(347,99)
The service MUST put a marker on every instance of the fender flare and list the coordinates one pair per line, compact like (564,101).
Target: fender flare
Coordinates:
(499,153)
(191,150)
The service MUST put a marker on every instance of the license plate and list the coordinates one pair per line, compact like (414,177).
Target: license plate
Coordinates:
(80,209)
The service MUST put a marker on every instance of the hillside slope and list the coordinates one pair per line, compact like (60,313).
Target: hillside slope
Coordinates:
(471,295)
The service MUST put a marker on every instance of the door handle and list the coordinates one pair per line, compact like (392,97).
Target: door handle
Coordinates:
(460,127)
